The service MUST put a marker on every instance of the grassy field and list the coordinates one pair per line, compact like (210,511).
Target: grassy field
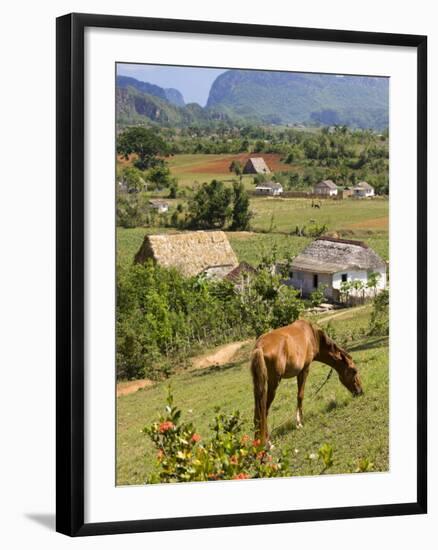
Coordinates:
(356,428)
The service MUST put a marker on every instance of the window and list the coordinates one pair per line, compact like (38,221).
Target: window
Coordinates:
(291,274)
(315,281)
(344,277)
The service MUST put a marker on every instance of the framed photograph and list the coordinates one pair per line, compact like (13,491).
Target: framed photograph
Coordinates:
(241,274)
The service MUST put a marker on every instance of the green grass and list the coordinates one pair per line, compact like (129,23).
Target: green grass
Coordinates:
(356,428)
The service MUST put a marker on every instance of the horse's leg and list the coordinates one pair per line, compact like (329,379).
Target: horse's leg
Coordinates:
(301,379)
(273,382)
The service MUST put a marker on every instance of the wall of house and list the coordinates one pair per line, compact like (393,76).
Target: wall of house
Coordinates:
(361,276)
(303,281)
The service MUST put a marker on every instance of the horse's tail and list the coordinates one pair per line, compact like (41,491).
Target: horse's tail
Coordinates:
(259,378)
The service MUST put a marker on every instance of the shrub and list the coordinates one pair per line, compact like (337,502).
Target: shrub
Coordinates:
(379,321)
(184,455)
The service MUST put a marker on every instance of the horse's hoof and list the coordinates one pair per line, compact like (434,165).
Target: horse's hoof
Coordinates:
(299,426)
(269,446)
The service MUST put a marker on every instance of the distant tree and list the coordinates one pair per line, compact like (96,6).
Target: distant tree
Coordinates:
(145,143)
(210,206)
(173,189)
(132,179)
(160,176)
(237,168)
(241,215)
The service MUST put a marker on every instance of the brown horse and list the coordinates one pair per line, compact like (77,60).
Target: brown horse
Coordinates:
(287,352)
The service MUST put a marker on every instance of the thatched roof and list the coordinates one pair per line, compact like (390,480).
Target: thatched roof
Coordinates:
(256,165)
(191,253)
(328,184)
(363,185)
(330,255)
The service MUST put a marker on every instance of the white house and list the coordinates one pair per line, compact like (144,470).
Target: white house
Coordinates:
(331,262)
(326,188)
(269,188)
(159,205)
(363,190)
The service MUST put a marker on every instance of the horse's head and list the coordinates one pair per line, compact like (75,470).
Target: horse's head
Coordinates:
(348,373)
(333,355)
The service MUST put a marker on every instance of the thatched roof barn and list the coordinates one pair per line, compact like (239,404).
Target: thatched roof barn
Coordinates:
(363,189)
(325,187)
(332,262)
(256,165)
(191,253)
(330,255)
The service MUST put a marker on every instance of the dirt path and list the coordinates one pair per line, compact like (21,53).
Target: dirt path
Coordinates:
(220,356)
(125,388)
(217,357)
(341,313)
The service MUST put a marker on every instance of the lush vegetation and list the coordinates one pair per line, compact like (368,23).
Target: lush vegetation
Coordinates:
(162,316)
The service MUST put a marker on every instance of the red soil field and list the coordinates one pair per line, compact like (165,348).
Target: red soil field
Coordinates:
(221,166)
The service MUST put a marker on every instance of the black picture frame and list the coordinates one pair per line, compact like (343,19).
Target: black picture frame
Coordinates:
(70,273)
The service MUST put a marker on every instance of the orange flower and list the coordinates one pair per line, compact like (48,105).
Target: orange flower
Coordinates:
(245,439)
(195,438)
(261,455)
(256,443)
(242,475)
(234,459)
(165,426)
(160,454)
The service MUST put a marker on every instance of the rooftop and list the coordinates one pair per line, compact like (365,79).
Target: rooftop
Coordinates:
(190,252)
(330,255)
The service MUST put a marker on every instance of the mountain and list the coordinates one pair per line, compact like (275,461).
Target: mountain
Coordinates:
(172,95)
(133,106)
(286,98)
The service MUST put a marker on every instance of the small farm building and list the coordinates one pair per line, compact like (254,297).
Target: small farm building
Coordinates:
(363,190)
(256,165)
(329,261)
(191,253)
(269,188)
(325,188)
(346,192)
(159,205)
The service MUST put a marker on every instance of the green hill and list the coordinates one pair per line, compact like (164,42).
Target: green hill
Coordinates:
(286,98)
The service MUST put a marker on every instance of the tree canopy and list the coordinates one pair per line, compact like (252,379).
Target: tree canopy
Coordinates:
(146,143)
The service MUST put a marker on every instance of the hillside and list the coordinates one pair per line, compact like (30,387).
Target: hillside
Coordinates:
(171,95)
(284,98)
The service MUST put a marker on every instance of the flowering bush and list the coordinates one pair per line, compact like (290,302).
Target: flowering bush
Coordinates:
(184,455)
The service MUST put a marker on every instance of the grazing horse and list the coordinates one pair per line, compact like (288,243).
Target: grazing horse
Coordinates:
(287,352)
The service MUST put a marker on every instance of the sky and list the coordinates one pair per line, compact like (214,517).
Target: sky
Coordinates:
(194,83)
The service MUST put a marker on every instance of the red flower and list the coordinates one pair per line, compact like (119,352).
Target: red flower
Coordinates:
(261,455)
(160,454)
(234,459)
(242,475)
(245,439)
(256,443)
(165,426)
(195,438)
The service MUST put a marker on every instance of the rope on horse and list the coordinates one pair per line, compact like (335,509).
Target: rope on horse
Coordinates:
(324,383)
